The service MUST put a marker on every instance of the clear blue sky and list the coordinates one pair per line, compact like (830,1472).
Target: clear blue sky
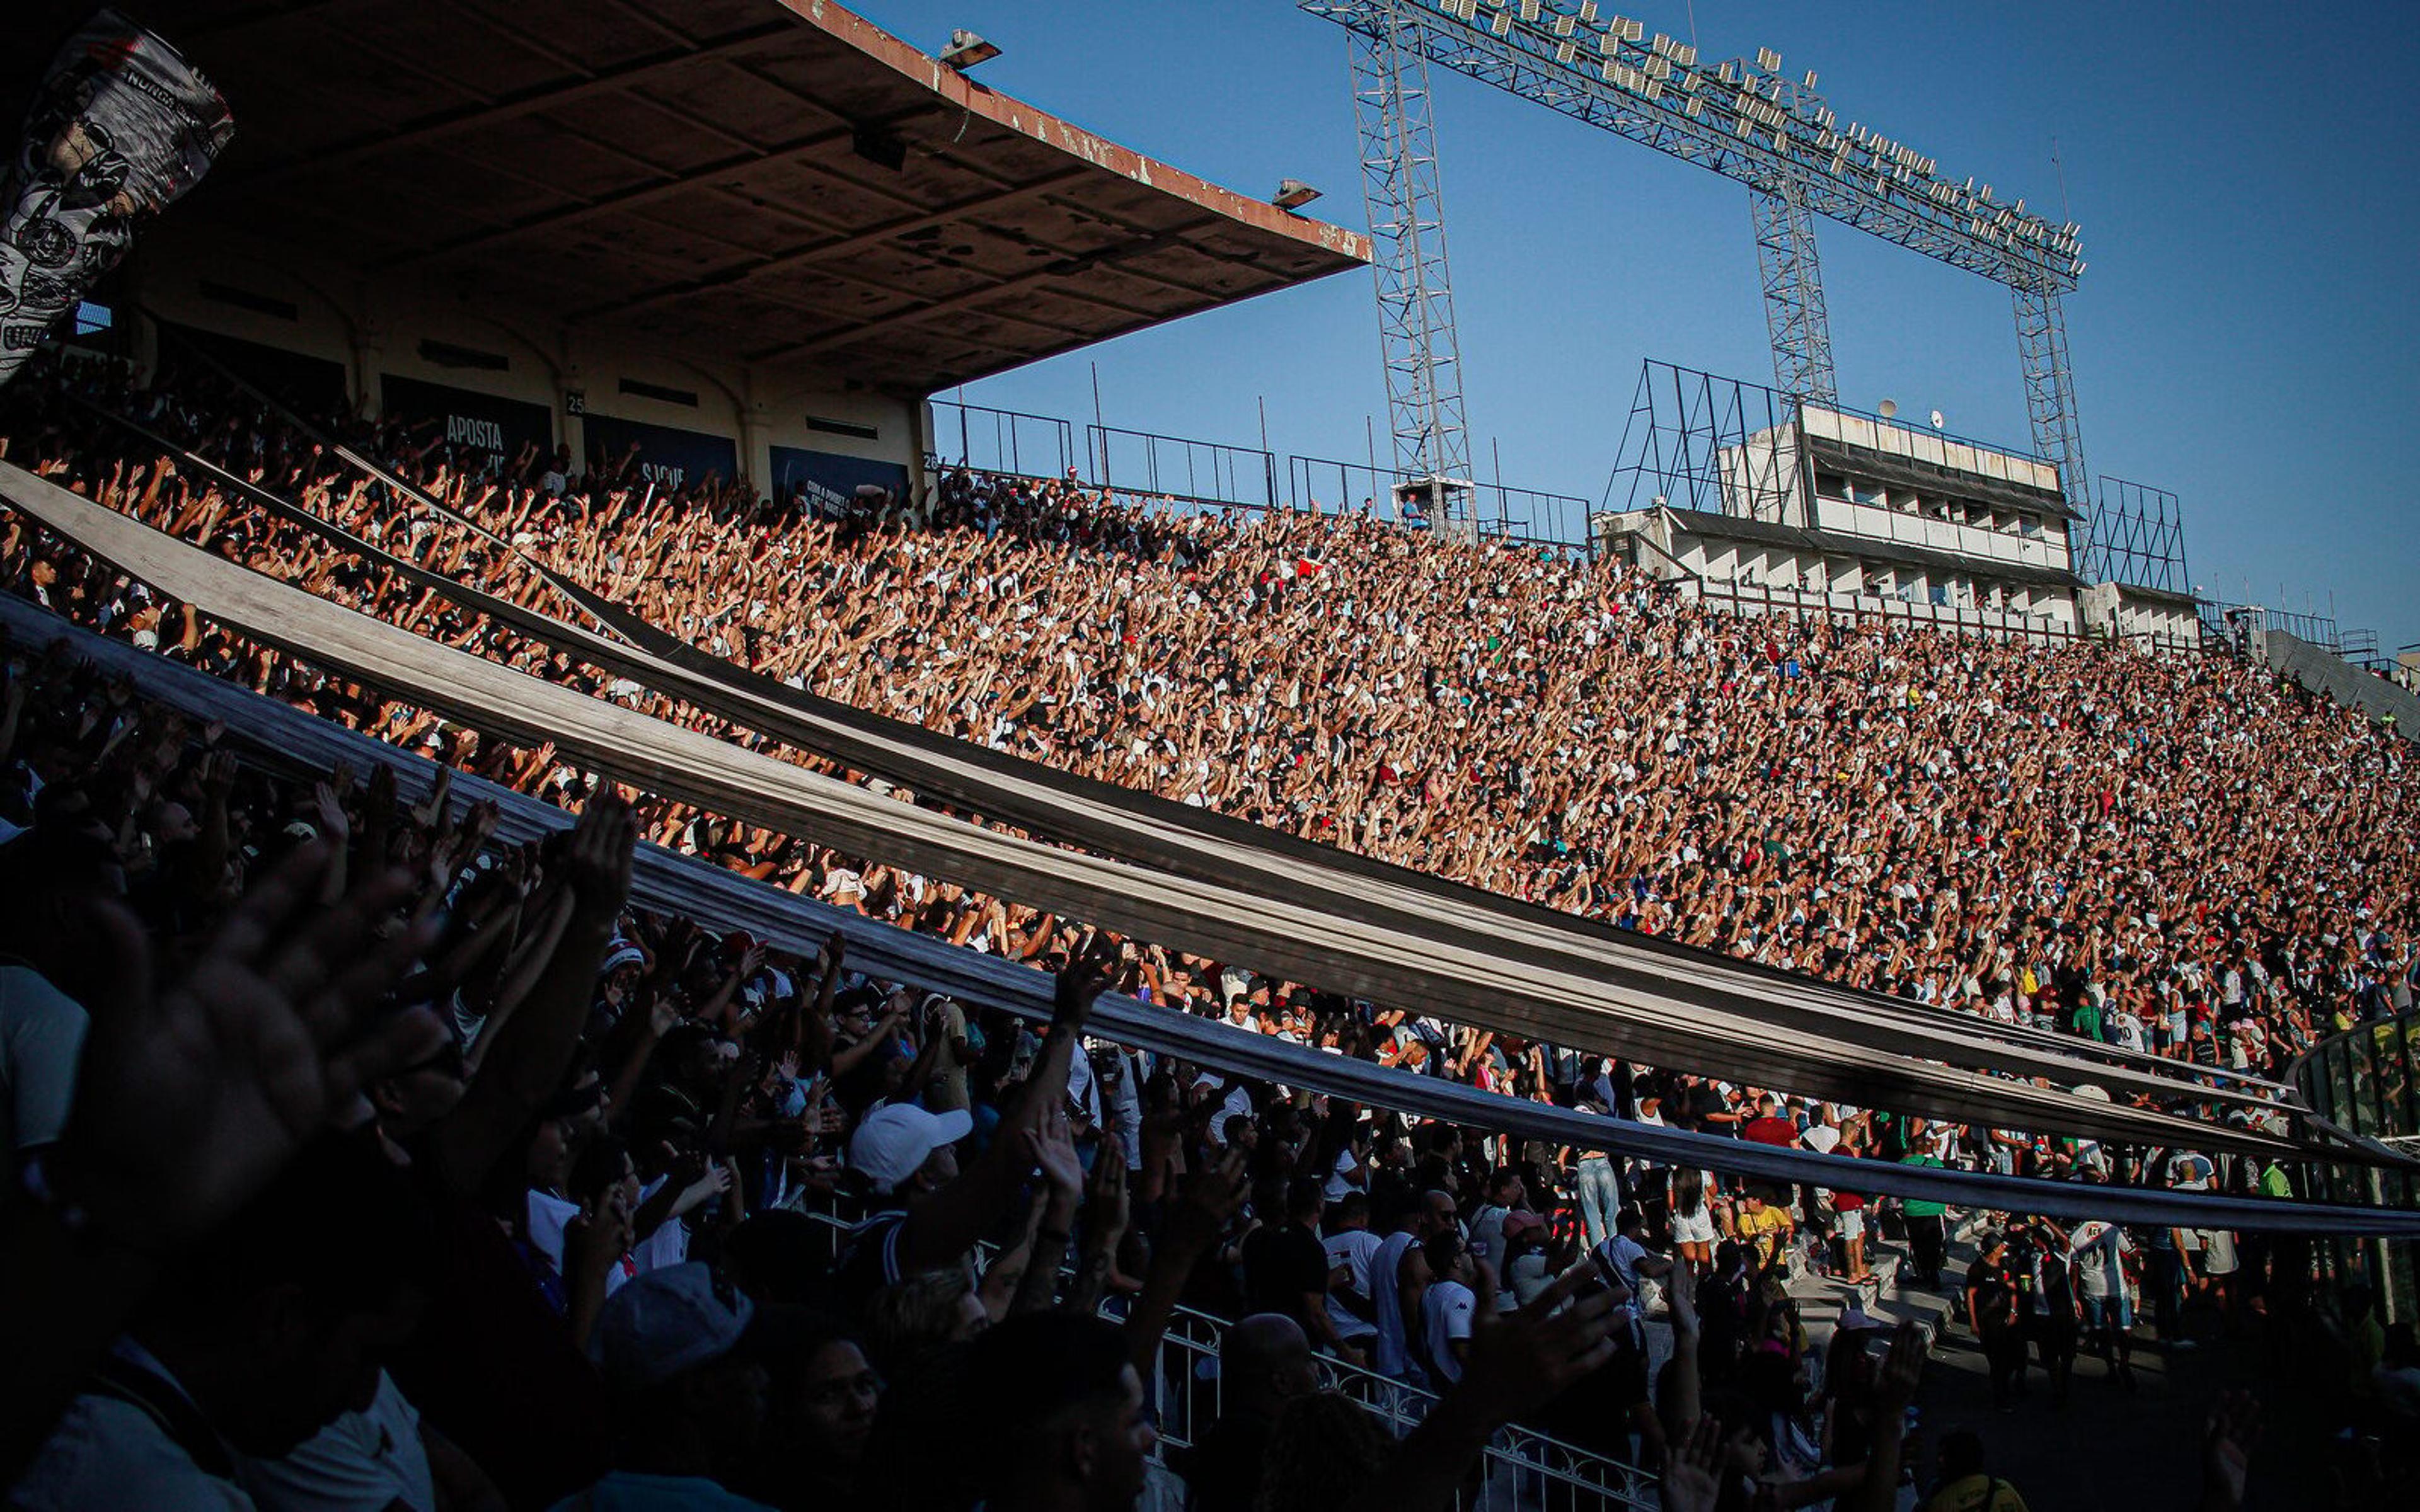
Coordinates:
(2247,335)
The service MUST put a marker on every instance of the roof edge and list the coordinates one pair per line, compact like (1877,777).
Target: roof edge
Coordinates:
(1015,115)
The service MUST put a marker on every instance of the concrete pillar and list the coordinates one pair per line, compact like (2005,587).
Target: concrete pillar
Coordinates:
(571,409)
(370,339)
(756,442)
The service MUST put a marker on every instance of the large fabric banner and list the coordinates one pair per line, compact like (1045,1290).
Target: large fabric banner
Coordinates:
(1288,924)
(470,422)
(120,126)
(664,457)
(723,900)
(833,484)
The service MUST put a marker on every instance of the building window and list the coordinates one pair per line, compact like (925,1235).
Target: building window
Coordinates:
(244,298)
(448,354)
(687,398)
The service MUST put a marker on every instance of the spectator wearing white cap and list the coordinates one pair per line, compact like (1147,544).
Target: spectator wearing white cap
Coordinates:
(930,1214)
(900,1153)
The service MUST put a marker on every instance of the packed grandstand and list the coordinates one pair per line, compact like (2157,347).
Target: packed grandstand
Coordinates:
(379,1145)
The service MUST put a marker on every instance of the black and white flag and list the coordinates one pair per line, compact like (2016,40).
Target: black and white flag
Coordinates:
(120,126)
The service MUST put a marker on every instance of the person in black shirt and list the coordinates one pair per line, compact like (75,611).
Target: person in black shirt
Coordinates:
(1286,1268)
(1992,1311)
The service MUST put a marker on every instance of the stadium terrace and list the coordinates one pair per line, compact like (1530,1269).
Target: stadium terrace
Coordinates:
(607,911)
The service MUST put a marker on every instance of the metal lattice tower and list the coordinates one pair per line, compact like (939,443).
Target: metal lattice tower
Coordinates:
(1793,293)
(1415,329)
(1747,121)
(2050,402)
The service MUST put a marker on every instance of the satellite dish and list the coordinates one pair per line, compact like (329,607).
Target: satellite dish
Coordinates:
(1937,421)
(1890,409)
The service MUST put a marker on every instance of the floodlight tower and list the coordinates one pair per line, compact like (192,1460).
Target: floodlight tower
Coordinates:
(1793,293)
(2050,403)
(1747,122)
(1416,329)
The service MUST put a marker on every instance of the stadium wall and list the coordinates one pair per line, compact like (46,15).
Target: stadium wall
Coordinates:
(407,346)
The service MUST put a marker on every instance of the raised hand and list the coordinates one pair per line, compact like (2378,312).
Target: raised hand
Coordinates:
(1902,1368)
(327,805)
(1052,1148)
(380,800)
(597,863)
(1680,1295)
(1086,978)
(1105,1199)
(1692,1475)
(600,1235)
(191,1098)
(1519,1361)
(1207,1201)
(437,804)
(2233,1427)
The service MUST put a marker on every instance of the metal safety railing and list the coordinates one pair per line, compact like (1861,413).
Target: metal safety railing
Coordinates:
(2366,1082)
(1523,1471)
(1193,476)
(1001,441)
(1182,468)
(2232,622)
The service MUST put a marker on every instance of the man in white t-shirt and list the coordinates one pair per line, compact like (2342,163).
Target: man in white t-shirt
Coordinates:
(368,1457)
(1398,1345)
(1350,1246)
(1625,1255)
(2095,1256)
(1239,1101)
(1447,1306)
(1504,1193)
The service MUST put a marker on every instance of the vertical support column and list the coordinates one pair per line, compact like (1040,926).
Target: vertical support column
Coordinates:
(1793,293)
(2050,403)
(1416,328)
(369,361)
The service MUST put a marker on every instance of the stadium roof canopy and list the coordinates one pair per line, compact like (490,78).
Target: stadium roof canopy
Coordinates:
(775,179)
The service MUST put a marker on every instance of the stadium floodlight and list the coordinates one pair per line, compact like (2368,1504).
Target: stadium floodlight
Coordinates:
(966,49)
(1293,195)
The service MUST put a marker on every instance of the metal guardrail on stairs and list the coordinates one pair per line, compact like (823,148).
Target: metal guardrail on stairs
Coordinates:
(1523,1470)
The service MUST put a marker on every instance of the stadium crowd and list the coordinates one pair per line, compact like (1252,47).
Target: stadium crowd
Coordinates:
(569,1224)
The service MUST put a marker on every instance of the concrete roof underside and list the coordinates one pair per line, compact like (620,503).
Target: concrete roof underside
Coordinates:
(777,181)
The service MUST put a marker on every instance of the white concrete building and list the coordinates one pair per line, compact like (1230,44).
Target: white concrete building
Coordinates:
(1847,512)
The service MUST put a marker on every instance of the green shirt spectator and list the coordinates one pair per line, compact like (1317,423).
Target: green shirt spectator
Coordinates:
(1914,1207)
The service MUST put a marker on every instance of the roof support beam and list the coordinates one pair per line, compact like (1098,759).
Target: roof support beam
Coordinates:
(551,96)
(823,252)
(626,199)
(1173,235)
